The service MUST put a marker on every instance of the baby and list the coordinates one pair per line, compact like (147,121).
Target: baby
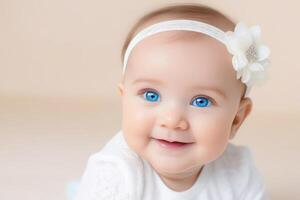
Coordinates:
(187,73)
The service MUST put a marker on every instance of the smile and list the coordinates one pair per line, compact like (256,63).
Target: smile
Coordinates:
(171,145)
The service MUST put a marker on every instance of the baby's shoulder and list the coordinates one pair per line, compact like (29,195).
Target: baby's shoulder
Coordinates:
(102,179)
(237,155)
(117,153)
(237,168)
(114,170)
(236,162)
(116,149)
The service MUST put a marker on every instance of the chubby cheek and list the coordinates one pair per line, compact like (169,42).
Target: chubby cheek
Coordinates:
(137,123)
(212,135)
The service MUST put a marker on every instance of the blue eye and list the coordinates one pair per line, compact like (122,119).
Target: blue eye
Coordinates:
(201,102)
(151,96)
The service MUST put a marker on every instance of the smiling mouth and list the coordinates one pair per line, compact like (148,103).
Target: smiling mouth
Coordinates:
(172,145)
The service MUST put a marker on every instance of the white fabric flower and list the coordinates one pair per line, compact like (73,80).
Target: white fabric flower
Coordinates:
(250,56)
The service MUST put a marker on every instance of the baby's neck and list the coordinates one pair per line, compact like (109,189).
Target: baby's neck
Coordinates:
(180,184)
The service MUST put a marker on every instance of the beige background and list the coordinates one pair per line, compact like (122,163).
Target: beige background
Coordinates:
(59,68)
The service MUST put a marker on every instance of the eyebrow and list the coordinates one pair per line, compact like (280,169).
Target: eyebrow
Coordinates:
(149,80)
(158,82)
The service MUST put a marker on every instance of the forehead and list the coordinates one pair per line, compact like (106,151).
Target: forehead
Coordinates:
(181,57)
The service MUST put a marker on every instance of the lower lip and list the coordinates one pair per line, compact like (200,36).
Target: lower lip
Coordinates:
(172,145)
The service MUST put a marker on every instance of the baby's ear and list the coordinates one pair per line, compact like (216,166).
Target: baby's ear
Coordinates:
(121,89)
(243,111)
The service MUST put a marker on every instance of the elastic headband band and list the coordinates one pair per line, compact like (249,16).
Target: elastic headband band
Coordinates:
(250,57)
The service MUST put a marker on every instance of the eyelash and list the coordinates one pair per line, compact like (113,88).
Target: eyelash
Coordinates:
(142,92)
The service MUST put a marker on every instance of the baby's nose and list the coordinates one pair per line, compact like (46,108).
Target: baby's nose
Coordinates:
(173,117)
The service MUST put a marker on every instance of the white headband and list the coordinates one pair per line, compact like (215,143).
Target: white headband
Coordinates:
(250,56)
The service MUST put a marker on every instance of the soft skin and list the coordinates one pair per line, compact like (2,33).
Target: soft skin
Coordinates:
(183,69)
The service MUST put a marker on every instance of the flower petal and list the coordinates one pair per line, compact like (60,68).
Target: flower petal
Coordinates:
(266,63)
(239,61)
(256,67)
(262,52)
(240,28)
(245,43)
(256,32)
(232,43)
(246,76)
(239,74)
(244,36)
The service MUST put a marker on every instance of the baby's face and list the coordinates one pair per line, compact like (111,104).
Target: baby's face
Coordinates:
(184,91)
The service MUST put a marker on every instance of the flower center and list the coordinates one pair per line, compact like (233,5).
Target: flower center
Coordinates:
(251,54)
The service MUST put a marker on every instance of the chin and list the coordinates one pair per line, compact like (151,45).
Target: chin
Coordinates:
(170,167)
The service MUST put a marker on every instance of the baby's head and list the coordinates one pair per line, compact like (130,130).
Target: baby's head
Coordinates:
(182,101)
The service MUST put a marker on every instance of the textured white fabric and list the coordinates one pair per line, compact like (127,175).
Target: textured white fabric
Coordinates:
(188,25)
(117,173)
